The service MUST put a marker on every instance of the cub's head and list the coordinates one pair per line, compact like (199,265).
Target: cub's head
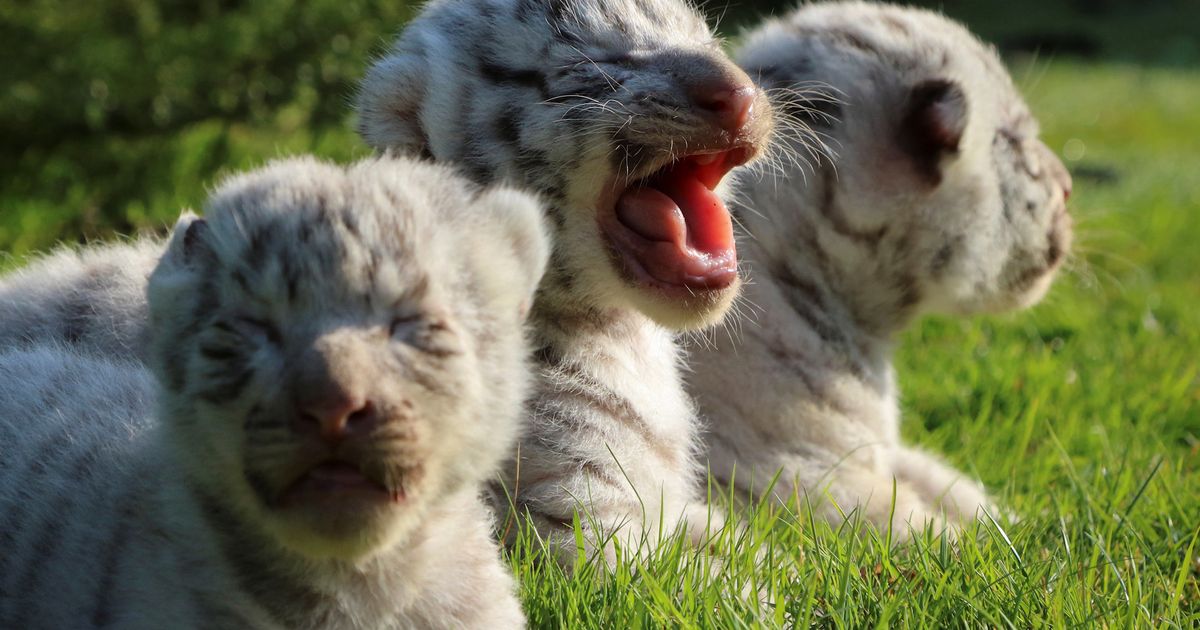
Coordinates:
(940,188)
(342,348)
(625,115)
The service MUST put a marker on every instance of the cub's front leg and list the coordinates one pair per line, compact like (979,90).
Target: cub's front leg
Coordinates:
(951,492)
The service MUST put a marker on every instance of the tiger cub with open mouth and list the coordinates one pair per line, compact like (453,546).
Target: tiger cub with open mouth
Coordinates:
(626,116)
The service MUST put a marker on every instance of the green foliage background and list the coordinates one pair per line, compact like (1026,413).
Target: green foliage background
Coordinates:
(116,113)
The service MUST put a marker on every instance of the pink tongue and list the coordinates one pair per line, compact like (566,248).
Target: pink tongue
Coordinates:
(653,215)
(710,228)
(680,232)
(677,208)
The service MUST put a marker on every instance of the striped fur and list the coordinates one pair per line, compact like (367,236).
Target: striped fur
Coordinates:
(578,100)
(92,299)
(184,495)
(939,198)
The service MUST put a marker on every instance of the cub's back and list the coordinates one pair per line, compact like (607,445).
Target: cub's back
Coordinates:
(75,430)
(92,298)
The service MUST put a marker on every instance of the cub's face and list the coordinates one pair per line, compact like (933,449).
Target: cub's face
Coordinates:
(338,356)
(625,114)
(940,190)
(1032,188)
(992,230)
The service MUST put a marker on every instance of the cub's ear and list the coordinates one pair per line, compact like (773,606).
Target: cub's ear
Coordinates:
(189,246)
(932,125)
(512,247)
(389,104)
(188,255)
(172,290)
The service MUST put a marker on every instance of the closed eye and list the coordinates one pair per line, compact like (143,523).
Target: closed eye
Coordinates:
(437,338)
(1027,160)
(261,327)
(429,334)
(1010,136)
(403,325)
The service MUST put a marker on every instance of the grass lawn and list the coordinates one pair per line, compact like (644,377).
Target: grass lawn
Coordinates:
(1082,415)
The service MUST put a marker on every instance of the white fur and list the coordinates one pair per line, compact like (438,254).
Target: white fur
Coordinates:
(846,253)
(559,96)
(92,298)
(394,280)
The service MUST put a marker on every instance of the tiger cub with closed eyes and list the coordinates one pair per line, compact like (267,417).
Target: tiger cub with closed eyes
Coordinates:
(338,363)
(627,117)
(940,198)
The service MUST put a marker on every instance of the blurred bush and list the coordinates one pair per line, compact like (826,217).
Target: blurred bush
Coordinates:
(1151,32)
(141,66)
(114,113)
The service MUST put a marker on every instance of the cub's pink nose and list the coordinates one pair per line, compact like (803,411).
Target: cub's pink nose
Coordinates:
(1058,171)
(729,107)
(337,415)
(1065,182)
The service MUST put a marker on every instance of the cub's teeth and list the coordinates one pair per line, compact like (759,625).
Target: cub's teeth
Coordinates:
(706,159)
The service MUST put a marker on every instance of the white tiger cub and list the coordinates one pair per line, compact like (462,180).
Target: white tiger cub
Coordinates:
(941,199)
(92,299)
(625,115)
(340,364)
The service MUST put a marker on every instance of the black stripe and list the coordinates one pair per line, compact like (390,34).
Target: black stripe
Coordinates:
(531,164)
(831,210)
(809,303)
(103,613)
(258,419)
(430,381)
(218,611)
(33,559)
(75,317)
(220,385)
(259,484)
(946,253)
(19,504)
(222,353)
(256,566)
(910,293)
(502,75)
(536,445)
(508,125)
(529,11)
(600,398)
(78,315)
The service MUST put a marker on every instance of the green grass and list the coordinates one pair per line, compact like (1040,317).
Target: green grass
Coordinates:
(1082,415)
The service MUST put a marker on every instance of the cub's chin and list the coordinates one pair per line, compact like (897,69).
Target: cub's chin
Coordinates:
(333,536)
(1031,294)
(683,310)
(1031,289)
(336,512)
(613,283)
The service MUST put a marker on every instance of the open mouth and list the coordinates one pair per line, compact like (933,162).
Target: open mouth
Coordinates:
(671,231)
